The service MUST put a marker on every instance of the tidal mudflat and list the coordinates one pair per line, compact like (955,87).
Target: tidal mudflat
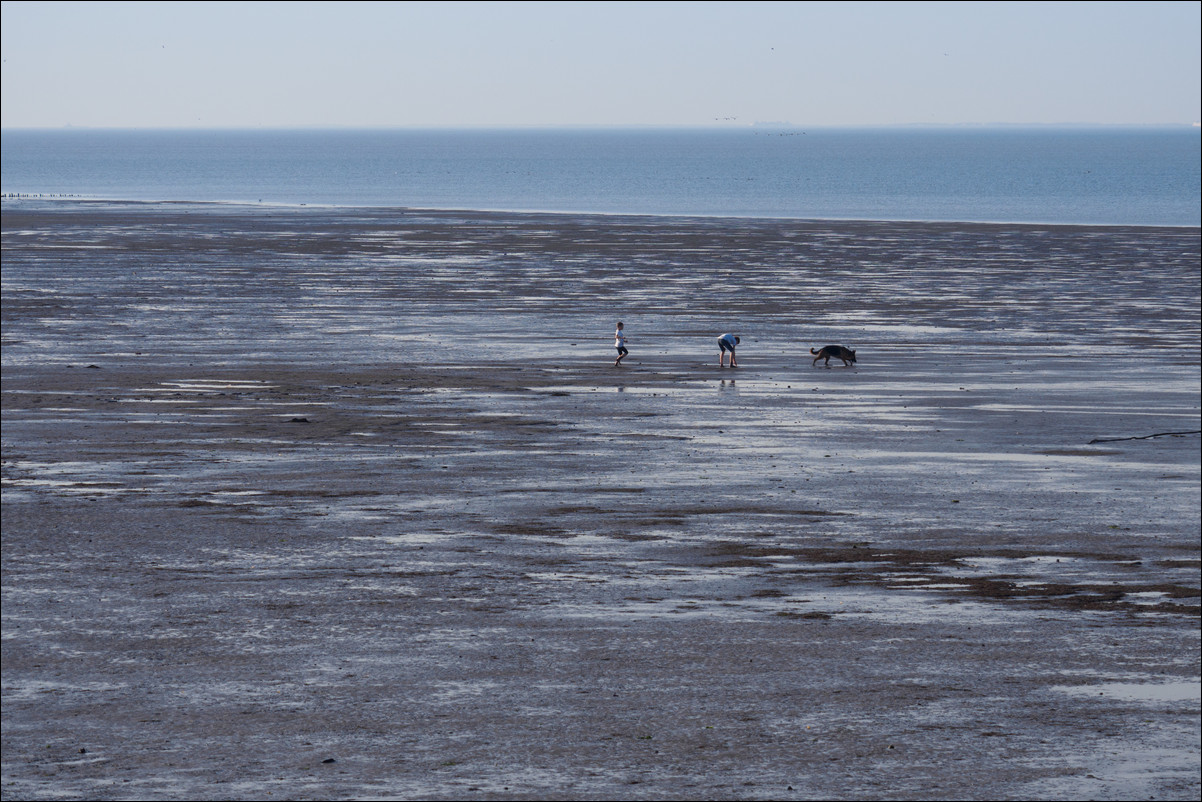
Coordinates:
(333,503)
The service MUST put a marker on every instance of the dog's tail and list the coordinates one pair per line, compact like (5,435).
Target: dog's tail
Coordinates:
(812,351)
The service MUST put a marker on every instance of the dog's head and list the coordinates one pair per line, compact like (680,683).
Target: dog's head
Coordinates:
(851,358)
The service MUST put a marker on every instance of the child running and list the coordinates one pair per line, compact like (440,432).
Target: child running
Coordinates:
(620,342)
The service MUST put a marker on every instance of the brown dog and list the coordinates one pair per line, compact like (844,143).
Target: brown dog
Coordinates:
(838,352)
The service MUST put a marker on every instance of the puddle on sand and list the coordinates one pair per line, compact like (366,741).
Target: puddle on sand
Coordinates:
(1150,692)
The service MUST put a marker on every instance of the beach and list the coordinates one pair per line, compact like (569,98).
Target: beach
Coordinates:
(318,503)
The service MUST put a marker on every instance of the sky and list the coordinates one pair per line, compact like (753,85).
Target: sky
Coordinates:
(546,64)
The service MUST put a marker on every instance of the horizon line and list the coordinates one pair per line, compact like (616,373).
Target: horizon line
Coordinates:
(758,125)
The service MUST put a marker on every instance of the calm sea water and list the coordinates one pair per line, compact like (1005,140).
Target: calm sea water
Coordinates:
(1087,176)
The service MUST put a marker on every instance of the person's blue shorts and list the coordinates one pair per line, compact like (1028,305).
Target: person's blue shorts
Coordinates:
(725,346)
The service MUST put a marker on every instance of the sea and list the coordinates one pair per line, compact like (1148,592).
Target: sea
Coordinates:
(1082,175)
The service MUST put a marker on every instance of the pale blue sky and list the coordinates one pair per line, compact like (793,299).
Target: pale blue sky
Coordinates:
(350,64)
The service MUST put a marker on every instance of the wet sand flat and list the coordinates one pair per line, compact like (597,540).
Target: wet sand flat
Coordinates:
(333,503)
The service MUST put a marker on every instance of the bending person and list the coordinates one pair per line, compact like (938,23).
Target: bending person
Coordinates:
(727,342)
